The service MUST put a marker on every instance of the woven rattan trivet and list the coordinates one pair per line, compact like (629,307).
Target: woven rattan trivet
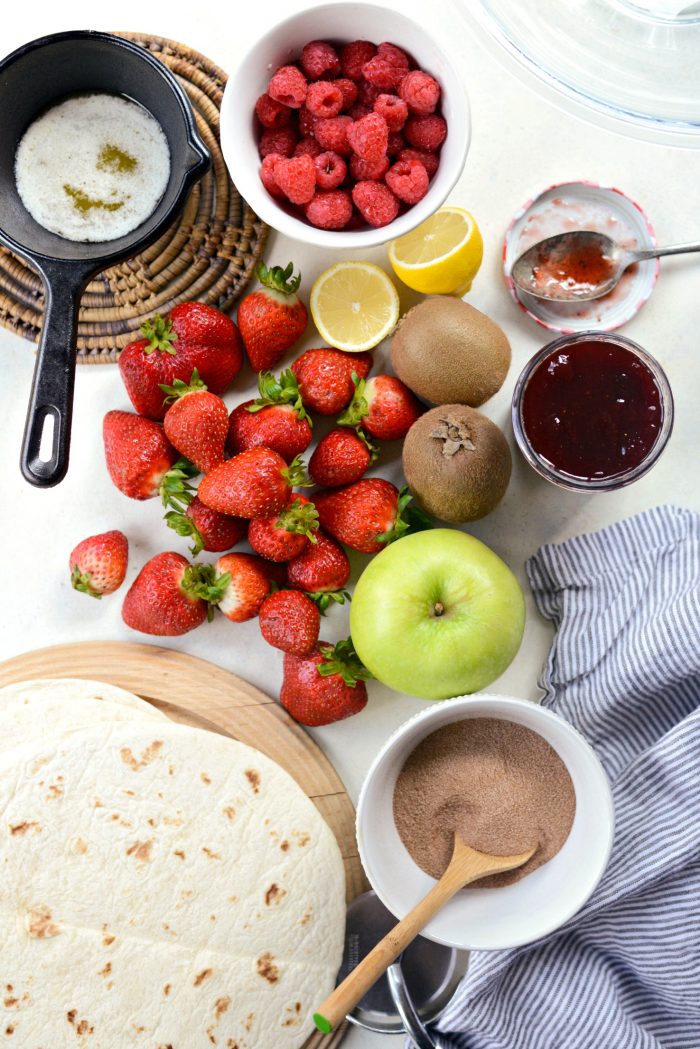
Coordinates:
(209,254)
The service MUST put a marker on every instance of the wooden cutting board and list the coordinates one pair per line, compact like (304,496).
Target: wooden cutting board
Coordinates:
(198,693)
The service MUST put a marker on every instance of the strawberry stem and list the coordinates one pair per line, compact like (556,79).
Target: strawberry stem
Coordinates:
(278,279)
(284,390)
(175,491)
(323,598)
(358,408)
(202,581)
(300,518)
(295,474)
(181,389)
(409,518)
(82,582)
(159,330)
(343,659)
(185,526)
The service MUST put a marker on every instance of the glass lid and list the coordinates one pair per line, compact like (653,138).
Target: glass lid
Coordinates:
(631,67)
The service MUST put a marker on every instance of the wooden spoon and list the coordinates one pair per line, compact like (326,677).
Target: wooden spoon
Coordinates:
(467,865)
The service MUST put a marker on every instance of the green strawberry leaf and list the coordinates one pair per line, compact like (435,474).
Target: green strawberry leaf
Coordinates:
(300,518)
(82,582)
(284,390)
(201,581)
(371,447)
(175,491)
(409,518)
(295,474)
(180,388)
(323,598)
(343,659)
(185,526)
(358,407)
(279,279)
(159,330)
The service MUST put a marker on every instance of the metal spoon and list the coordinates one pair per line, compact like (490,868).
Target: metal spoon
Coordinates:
(578,266)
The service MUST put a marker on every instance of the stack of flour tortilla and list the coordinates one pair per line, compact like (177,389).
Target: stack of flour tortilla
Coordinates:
(160,886)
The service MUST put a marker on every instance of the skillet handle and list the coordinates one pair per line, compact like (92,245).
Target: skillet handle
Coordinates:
(51,398)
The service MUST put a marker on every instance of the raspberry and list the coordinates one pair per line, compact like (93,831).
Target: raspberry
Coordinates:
(369,137)
(307,122)
(387,69)
(358,111)
(372,170)
(331,170)
(277,140)
(420,92)
(349,92)
(288,86)
(319,59)
(393,109)
(353,57)
(408,180)
(395,144)
(267,174)
(333,134)
(329,210)
(368,93)
(429,160)
(296,178)
(271,113)
(426,132)
(324,99)
(308,147)
(375,202)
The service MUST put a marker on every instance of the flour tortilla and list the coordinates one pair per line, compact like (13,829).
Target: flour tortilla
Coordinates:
(54,688)
(161,886)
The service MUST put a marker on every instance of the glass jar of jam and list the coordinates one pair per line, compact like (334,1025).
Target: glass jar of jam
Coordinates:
(592,411)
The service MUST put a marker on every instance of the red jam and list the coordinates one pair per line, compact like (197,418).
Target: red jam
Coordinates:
(576,272)
(592,410)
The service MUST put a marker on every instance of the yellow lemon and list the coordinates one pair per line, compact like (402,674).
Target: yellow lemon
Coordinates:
(354,306)
(442,255)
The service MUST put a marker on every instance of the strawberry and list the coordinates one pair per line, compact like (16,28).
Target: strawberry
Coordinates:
(283,536)
(276,419)
(256,483)
(98,564)
(291,621)
(322,571)
(191,336)
(325,378)
(141,461)
(384,406)
(196,423)
(272,318)
(341,457)
(325,686)
(170,596)
(369,514)
(208,529)
(248,583)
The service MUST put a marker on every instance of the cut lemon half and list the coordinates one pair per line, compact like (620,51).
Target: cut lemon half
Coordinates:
(441,256)
(354,306)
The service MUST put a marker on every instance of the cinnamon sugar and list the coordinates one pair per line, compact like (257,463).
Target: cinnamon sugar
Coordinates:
(498,784)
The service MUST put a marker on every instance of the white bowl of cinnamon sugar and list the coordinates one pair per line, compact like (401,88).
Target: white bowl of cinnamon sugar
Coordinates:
(507,775)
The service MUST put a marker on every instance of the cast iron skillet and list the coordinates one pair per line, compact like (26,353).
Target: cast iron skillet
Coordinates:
(31,79)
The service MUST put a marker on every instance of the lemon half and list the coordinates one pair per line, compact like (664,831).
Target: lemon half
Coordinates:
(354,306)
(442,255)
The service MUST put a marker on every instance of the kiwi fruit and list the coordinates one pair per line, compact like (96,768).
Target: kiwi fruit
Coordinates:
(448,352)
(457,463)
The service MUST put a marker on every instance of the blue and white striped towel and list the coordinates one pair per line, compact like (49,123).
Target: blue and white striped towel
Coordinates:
(625,669)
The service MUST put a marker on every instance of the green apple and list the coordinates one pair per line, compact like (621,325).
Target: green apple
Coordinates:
(437,614)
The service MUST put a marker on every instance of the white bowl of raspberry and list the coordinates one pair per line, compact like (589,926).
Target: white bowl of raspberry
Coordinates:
(340,142)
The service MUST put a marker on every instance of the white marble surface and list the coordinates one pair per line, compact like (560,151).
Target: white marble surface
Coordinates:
(519,146)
